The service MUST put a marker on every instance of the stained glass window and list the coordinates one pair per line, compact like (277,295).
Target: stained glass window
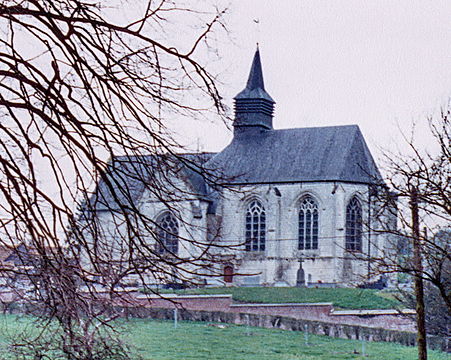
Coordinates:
(308,224)
(354,225)
(167,233)
(255,227)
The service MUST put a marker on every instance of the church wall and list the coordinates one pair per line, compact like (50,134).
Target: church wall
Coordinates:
(278,264)
(191,218)
(329,265)
(189,211)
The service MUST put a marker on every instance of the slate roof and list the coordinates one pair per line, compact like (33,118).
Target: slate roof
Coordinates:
(257,155)
(130,176)
(333,153)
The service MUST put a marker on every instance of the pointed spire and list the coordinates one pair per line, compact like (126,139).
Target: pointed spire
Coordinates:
(255,87)
(255,80)
(254,106)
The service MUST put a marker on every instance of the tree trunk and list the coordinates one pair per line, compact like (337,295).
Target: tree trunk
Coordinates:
(418,266)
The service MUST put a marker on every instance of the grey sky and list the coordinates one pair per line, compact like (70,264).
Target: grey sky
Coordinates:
(378,64)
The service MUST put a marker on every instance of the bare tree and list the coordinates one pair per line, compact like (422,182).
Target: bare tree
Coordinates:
(78,87)
(427,175)
(422,186)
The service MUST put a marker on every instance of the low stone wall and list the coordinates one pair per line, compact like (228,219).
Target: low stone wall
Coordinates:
(188,302)
(286,323)
(316,312)
(386,319)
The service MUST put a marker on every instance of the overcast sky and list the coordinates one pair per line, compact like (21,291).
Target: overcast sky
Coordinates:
(379,64)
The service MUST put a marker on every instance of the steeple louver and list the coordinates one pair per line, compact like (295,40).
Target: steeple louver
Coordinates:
(253,106)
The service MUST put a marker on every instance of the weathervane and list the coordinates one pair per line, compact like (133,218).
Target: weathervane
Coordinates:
(257,30)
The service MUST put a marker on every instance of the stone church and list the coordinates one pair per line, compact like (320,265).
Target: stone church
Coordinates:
(298,206)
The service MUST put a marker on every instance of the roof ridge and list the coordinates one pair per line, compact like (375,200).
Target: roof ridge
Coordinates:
(319,127)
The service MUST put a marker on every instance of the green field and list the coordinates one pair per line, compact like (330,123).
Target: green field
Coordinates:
(159,340)
(344,298)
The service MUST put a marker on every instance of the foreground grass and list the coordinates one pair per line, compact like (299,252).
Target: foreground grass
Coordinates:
(159,340)
(345,298)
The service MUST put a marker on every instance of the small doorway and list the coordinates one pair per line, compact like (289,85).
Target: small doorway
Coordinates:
(228,274)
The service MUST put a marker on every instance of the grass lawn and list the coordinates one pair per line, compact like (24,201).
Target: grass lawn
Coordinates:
(158,340)
(345,298)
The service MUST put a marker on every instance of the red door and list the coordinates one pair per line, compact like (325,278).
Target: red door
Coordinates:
(228,274)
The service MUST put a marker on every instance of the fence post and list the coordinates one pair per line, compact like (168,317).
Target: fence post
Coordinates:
(363,345)
(247,325)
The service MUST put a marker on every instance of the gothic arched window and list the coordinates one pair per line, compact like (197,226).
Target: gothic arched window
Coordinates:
(354,225)
(167,233)
(308,224)
(255,226)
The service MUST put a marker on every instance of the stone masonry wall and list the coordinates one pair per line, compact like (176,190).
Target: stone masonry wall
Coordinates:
(279,262)
(385,319)
(286,323)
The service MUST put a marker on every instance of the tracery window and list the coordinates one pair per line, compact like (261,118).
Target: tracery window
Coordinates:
(255,226)
(308,224)
(167,233)
(354,225)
